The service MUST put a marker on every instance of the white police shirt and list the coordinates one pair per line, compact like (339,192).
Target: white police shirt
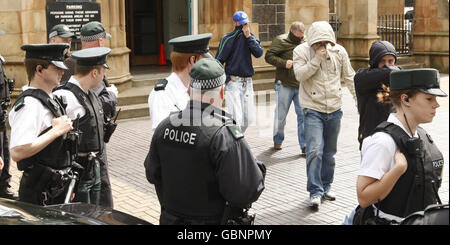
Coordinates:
(28,122)
(377,156)
(73,106)
(173,98)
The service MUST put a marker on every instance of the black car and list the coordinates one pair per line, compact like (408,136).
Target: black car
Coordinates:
(21,213)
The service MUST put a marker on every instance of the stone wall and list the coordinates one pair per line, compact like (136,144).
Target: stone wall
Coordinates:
(24,22)
(431,33)
(270,16)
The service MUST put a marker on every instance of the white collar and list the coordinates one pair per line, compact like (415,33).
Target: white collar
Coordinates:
(75,81)
(393,119)
(176,82)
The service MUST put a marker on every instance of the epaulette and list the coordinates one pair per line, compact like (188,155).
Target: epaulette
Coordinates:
(19,104)
(236,131)
(161,85)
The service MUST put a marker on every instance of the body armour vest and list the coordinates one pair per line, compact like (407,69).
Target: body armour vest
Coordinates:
(189,188)
(56,155)
(417,187)
(91,124)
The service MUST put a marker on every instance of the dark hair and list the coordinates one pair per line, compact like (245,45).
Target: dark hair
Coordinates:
(31,64)
(84,70)
(387,96)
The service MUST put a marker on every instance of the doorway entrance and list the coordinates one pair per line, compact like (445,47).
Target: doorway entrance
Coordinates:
(144,31)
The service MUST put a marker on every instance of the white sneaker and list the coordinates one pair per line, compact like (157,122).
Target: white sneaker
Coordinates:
(315,202)
(329,195)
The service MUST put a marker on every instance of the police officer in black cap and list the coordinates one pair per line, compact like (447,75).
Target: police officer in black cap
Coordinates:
(401,167)
(170,94)
(200,163)
(6,86)
(39,127)
(61,34)
(82,103)
(93,35)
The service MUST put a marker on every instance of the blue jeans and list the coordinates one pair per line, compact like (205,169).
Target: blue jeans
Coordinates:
(285,96)
(239,101)
(321,132)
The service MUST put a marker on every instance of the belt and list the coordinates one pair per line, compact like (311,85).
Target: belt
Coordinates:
(241,79)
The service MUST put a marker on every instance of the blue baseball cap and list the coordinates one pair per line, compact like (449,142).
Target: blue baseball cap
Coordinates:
(241,17)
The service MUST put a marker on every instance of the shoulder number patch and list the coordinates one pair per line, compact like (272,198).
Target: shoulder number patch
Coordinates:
(235,130)
(161,85)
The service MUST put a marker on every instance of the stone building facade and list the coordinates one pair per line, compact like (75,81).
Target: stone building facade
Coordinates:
(24,22)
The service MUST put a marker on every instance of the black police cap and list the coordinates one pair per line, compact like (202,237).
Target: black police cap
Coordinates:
(55,52)
(92,56)
(425,79)
(198,44)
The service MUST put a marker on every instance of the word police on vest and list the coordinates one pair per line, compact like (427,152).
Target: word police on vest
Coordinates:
(180,136)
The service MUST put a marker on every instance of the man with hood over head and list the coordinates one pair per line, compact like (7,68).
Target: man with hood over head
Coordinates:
(368,82)
(320,65)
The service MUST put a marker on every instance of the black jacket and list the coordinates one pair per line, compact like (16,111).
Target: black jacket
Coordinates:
(368,82)
(196,169)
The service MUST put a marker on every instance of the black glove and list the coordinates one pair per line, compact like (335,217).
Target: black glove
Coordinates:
(262,167)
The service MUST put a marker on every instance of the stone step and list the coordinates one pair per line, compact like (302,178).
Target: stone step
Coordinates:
(134,95)
(133,111)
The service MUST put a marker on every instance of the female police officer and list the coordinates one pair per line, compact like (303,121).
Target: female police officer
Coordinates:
(401,168)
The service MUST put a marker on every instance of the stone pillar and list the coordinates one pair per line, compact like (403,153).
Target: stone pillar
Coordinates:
(22,22)
(389,7)
(306,11)
(358,29)
(430,34)
(113,18)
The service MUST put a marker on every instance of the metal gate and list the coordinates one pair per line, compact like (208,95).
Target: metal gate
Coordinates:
(397,30)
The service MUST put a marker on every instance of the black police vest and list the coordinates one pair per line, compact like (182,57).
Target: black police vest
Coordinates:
(56,155)
(91,124)
(189,188)
(417,187)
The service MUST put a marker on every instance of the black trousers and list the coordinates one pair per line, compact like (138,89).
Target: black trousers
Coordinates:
(106,197)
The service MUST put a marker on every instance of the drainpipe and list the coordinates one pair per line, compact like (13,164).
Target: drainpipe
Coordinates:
(193,17)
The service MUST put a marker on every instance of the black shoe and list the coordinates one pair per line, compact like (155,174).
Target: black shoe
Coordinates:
(6,193)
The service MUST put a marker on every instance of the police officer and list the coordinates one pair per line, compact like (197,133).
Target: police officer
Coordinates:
(93,34)
(39,127)
(170,94)
(199,160)
(83,103)
(401,167)
(5,98)
(61,34)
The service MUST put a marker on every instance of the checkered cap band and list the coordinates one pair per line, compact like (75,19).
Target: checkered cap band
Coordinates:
(208,84)
(93,37)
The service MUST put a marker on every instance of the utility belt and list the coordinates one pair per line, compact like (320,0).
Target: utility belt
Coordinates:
(169,218)
(51,182)
(240,79)
(237,216)
(87,161)
(367,216)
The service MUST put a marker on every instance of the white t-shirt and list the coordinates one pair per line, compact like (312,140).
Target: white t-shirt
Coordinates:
(28,122)
(173,98)
(377,156)
(73,105)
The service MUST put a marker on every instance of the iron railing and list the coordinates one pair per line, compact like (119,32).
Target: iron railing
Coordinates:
(398,31)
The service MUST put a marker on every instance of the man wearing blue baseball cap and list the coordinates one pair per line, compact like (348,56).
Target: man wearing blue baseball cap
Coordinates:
(235,52)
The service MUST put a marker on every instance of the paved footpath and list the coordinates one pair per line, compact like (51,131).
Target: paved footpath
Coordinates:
(285,199)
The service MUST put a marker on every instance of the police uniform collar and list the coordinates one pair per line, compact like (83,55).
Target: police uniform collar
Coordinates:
(199,105)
